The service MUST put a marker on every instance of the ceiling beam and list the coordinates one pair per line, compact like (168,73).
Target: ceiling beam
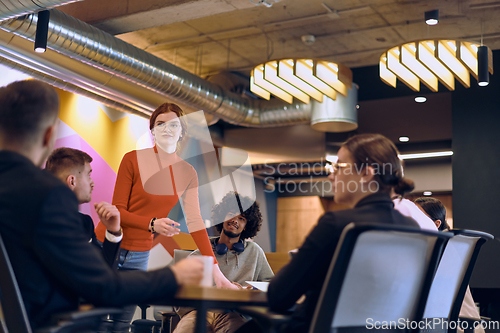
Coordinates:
(115,18)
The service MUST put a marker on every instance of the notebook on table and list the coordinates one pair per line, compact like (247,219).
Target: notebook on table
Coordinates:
(259,285)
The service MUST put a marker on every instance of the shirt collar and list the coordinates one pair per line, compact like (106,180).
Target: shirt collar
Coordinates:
(379,198)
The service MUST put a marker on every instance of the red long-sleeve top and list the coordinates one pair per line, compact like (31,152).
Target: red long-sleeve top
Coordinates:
(143,191)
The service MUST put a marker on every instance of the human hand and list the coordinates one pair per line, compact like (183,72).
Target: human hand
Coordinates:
(166,227)
(237,284)
(221,281)
(189,271)
(109,216)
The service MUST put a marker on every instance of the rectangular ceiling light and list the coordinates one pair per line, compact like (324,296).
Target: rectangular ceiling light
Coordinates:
(467,53)
(409,59)
(426,155)
(285,71)
(258,74)
(304,70)
(404,74)
(446,52)
(328,73)
(426,55)
(271,75)
(385,74)
(258,90)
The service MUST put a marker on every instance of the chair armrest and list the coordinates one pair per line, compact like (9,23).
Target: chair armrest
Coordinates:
(167,314)
(268,320)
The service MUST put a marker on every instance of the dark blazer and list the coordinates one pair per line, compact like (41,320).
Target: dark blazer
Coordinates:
(307,270)
(110,251)
(52,258)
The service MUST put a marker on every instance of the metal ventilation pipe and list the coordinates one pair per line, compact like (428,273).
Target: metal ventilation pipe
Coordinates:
(67,86)
(78,40)
(14,8)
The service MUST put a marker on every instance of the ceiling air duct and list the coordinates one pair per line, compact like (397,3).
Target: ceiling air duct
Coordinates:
(117,61)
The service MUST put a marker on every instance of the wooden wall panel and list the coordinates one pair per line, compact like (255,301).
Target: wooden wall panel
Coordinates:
(295,219)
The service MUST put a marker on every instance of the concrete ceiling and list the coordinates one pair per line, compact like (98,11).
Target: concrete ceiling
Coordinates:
(217,35)
(206,37)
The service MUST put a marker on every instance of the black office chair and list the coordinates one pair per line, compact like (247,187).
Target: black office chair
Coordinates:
(378,271)
(451,281)
(13,317)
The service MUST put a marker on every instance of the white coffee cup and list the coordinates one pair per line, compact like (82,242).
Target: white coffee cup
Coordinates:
(208,267)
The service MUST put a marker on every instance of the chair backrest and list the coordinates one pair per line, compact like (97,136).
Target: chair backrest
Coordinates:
(453,274)
(11,301)
(378,273)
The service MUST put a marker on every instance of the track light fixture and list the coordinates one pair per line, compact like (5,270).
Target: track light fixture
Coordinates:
(483,76)
(42,29)
(432,17)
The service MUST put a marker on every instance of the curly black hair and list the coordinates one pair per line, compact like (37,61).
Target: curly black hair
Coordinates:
(252,214)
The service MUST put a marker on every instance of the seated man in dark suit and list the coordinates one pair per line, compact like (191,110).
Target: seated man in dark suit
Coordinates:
(52,259)
(72,166)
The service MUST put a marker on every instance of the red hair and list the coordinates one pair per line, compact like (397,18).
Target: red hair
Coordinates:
(169,107)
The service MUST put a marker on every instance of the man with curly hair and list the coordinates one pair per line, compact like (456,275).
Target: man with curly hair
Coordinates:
(238,219)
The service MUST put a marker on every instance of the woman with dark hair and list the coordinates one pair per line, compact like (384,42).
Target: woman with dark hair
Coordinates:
(410,209)
(149,184)
(433,208)
(436,211)
(368,168)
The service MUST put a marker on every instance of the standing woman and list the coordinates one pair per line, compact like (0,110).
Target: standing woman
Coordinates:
(149,184)
(367,169)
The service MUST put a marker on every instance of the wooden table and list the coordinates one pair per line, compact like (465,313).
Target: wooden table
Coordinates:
(204,298)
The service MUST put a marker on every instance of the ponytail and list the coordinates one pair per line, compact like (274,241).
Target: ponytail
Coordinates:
(404,186)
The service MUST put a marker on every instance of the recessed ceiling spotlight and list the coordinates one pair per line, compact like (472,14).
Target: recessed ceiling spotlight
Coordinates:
(420,99)
(404,139)
(427,193)
(357,106)
(432,17)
